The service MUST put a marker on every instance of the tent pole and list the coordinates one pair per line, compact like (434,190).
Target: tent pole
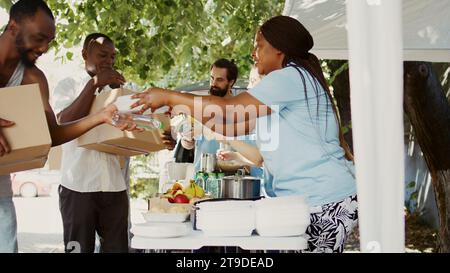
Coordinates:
(376,80)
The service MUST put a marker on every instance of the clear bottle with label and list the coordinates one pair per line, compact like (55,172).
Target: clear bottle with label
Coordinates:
(211,185)
(146,122)
(200,180)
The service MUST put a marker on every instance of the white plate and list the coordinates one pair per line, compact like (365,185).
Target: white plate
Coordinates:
(165,217)
(161,230)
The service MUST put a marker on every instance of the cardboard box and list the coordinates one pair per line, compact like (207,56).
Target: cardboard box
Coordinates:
(29,138)
(108,139)
(162,205)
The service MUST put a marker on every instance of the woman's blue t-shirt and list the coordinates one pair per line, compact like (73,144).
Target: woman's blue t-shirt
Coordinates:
(299,140)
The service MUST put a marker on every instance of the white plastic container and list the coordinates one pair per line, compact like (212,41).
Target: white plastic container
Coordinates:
(282,216)
(226,218)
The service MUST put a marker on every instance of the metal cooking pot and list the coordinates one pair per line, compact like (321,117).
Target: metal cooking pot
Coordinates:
(239,186)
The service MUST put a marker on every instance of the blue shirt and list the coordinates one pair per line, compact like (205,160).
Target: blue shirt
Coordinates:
(299,141)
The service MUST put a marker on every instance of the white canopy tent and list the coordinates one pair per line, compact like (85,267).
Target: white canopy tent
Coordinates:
(426,27)
(377,36)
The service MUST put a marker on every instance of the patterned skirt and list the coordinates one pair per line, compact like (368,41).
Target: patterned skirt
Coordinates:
(331,224)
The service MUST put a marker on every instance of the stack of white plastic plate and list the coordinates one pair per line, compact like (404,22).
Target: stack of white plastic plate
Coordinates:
(165,217)
(161,230)
(282,216)
(226,218)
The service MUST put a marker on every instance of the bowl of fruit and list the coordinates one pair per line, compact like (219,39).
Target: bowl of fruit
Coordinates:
(175,205)
(184,195)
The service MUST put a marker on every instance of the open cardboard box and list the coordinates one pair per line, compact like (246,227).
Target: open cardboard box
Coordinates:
(29,138)
(162,205)
(108,139)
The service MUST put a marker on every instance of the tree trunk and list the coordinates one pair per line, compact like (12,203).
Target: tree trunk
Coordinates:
(443,70)
(341,93)
(429,113)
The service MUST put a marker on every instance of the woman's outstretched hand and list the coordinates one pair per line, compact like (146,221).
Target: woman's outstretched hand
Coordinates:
(152,98)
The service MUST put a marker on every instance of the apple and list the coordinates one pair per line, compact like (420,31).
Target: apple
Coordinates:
(181,198)
(171,200)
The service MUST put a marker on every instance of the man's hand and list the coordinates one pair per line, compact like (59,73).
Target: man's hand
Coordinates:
(187,140)
(227,155)
(126,120)
(235,157)
(168,141)
(4,146)
(108,77)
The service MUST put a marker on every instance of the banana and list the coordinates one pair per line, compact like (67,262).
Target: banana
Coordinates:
(199,191)
(189,195)
(189,191)
(194,190)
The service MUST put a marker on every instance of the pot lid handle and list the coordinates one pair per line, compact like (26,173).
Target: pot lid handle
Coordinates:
(240,173)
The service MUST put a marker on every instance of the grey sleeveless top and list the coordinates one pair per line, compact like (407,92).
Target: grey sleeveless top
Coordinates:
(15,80)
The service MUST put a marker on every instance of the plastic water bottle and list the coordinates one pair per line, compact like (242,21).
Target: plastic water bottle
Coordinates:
(146,122)
(200,180)
(211,185)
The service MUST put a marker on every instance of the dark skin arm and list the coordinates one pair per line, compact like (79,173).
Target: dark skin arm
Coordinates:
(82,105)
(4,146)
(168,141)
(69,131)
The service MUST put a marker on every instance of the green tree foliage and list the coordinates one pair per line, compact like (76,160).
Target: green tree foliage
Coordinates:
(166,42)
(144,176)
(6,4)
